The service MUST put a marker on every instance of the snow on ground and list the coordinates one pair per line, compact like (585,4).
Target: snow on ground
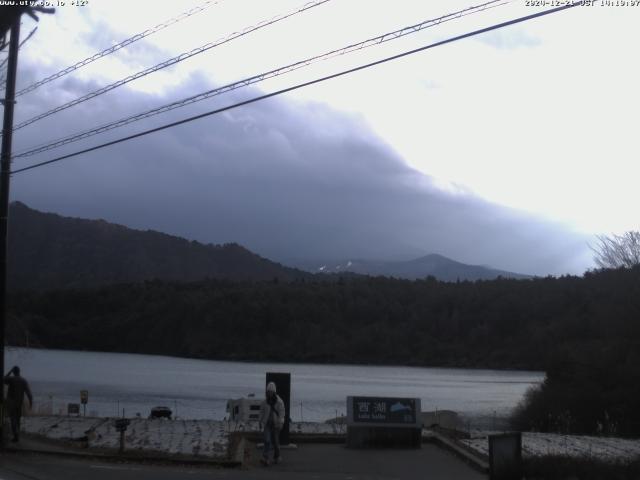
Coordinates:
(60,428)
(540,444)
(311,428)
(302,428)
(204,438)
(208,438)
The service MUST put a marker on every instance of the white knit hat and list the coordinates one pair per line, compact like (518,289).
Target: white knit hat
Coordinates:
(271,387)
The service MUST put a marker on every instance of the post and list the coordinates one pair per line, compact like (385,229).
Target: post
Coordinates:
(84,398)
(5,168)
(121,425)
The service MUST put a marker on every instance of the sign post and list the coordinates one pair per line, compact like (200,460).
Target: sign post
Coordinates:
(84,399)
(121,425)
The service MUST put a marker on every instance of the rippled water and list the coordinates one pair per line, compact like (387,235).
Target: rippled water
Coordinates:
(201,388)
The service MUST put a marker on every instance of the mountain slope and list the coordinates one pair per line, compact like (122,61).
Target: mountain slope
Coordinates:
(50,251)
(438,266)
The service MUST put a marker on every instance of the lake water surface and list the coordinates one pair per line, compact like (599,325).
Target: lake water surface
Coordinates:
(201,388)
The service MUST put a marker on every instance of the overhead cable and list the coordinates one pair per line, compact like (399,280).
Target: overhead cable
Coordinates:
(301,85)
(21,44)
(261,77)
(3,78)
(27,38)
(118,46)
(168,63)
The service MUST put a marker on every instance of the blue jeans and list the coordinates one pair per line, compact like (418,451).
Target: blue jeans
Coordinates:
(271,440)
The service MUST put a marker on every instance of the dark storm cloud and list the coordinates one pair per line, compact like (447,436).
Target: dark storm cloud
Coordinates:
(289,180)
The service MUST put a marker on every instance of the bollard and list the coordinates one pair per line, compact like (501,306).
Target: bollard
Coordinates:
(505,456)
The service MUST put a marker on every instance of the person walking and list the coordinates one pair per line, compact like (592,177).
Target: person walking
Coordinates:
(18,388)
(271,421)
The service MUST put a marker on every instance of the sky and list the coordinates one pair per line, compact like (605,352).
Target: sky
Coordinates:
(510,149)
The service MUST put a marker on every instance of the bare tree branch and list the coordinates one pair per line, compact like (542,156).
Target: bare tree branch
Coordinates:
(616,251)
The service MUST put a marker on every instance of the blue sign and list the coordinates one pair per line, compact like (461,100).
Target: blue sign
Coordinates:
(383,410)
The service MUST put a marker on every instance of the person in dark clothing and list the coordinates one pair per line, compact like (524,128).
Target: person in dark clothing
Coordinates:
(18,388)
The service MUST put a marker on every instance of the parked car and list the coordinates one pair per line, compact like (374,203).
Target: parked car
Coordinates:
(160,412)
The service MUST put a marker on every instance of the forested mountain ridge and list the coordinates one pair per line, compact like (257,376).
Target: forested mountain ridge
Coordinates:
(47,251)
(495,324)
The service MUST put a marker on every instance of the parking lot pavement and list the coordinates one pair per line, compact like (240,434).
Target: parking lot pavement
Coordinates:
(309,461)
(336,461)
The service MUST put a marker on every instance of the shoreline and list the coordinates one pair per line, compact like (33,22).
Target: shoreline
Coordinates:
(278,362)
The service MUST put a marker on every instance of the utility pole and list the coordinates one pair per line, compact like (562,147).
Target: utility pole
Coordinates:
(5,169)
(10,17)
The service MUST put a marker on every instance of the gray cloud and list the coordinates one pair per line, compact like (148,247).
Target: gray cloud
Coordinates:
(289,180)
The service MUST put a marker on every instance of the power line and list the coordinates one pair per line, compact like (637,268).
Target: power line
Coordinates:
(3,78)
(4,62)
(261,77)
(118,46)
(305,84)
(27,38)
(168,63)
(21,44)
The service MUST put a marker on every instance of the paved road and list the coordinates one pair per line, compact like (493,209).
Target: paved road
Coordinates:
(331,462)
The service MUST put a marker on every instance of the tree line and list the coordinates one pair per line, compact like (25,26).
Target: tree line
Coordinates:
(583,331)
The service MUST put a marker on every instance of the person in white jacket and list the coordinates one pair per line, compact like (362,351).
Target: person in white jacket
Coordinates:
(271,421)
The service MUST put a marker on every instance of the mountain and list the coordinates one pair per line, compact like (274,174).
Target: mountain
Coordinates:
(435,265)
(51,251)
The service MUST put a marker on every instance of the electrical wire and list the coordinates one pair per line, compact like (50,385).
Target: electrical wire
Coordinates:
(26,39)
(118,46)
(3,79)
(304,84)
(4,62)
(170,62)
(261,77)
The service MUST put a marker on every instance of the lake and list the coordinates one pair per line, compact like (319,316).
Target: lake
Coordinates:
(201,388)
